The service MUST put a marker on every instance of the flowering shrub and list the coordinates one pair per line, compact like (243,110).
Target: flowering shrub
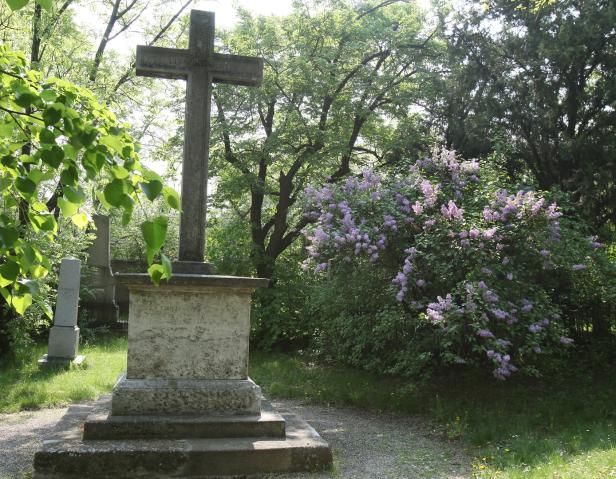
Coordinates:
(467,261)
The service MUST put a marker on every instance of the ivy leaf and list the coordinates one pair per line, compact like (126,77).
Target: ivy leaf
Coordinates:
(17,4)
(154,233)
(172,198)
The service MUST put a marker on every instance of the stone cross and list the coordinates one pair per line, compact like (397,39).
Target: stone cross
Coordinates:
(199,66)
(64,334)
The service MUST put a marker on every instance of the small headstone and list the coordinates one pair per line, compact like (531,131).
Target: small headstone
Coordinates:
(64,334)
(99,297)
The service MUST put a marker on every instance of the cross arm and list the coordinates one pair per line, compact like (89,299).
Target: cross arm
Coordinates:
(237,69)
(161,62)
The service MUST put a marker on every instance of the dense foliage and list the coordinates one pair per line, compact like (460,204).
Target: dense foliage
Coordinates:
(473,267)
(61,150)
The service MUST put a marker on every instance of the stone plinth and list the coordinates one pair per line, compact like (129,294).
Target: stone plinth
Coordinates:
(188,346)
(186,406)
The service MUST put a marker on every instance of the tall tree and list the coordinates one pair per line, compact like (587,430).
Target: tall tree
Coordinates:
(544,74)
(339,77)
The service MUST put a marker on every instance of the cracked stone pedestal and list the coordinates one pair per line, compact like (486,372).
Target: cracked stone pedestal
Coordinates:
(186,406)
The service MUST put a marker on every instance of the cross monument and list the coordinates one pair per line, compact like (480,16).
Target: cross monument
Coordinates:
(199,66)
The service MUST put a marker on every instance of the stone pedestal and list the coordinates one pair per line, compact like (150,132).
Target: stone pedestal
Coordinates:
(186,406)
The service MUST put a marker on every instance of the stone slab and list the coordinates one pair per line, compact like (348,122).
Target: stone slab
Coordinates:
(67,456)
(99,250)
(63,341)
(46,360)
(66,307)
(185,397)
(191,327)
(100,424)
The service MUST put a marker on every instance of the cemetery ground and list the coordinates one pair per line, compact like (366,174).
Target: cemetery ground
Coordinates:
(454,426)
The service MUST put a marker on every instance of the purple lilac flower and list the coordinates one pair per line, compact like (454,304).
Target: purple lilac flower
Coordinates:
(482,285)
(578,267)
(474,233)
(451,211)
(537,349)
(418,208)
(485,333)
(499,313)
(429,223)
(566,341)
(509,276)
(463,234)
(434,315)
(465,243)
(420,283)
(593,243)
(487,271)
(505,261)
(490,296)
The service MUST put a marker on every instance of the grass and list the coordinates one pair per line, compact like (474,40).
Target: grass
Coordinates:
(24,386)
(563,429)
(558,429)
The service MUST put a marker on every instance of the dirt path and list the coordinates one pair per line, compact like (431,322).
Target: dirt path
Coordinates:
(365,445)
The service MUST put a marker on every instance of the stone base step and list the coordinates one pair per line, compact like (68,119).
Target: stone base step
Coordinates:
(101,425)
(68,456)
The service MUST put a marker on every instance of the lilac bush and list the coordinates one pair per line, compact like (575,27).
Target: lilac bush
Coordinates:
(467,260)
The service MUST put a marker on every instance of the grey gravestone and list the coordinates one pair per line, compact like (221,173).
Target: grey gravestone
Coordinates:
(99,294)
(64,334)
(186,406)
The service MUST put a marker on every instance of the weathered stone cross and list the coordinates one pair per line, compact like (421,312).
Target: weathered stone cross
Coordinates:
(200,66)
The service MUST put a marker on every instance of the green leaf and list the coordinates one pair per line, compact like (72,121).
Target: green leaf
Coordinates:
(172,198)
(74,194)
(156,272)
(21,303)
(46,4)
(49,96)
(80,220)
(126,216)
(8,273)
(67,208)
(119,172)
(51,115)
(47,137)
(166,266)
(69,176)
(17,4)
(114,142)
(154,233)
(25,186)
(8,237)
(151,189)
(43,222)
(53,157)
(114,192)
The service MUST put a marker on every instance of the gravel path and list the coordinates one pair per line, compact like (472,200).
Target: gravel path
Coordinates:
(365,445)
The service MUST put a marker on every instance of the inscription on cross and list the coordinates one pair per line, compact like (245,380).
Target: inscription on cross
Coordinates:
(199,66)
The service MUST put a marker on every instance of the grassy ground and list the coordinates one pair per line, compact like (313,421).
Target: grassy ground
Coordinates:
(523,429)
(24,386)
